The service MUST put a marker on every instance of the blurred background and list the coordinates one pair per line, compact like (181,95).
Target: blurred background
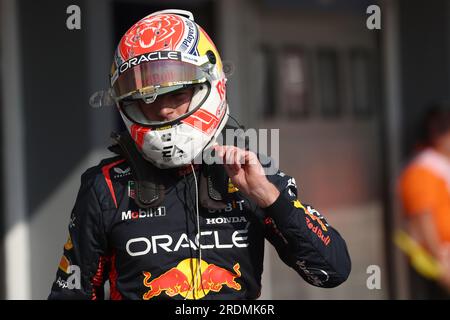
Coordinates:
(345,98)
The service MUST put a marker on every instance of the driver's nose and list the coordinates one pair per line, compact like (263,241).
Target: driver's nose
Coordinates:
(164,108)
(166,113)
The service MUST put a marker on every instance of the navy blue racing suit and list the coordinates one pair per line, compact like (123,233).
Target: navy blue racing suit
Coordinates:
(160,253)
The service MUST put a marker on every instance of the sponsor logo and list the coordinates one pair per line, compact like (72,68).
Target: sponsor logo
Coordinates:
(164,242)
(144,213)
(190,38)
(220,86)
(222,220)
(121,173)
(316,276)
(325,239)
(192,279)
(186,57)
(147,57)
(313,214)
(163,128)
(172,151)
(229,207)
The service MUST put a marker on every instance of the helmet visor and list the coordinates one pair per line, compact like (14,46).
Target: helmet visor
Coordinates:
(156,77)
(188,98)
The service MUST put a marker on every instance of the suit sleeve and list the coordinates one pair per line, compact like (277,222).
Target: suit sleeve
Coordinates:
(303,238)
(83,267)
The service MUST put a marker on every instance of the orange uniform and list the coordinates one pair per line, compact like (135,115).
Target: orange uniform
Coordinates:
(425,187)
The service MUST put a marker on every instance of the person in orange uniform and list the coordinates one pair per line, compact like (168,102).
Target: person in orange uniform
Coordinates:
(425,195)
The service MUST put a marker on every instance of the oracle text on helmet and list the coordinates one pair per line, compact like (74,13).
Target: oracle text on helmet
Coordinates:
(152,56)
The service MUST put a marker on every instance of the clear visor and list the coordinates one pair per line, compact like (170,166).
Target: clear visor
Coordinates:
(185,96)
(149,79)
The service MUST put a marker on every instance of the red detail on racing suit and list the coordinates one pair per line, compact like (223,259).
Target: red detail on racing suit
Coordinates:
(114,292)
(107,176)
(98,278)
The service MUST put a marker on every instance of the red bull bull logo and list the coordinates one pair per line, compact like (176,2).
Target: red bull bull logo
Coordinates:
(173,282)
(214,278)
(191,280)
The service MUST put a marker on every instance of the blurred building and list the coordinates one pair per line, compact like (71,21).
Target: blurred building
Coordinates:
(344,97)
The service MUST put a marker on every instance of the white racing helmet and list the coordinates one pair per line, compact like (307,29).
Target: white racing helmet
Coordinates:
(161,53)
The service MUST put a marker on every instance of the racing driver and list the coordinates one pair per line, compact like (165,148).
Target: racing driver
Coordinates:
(158,224)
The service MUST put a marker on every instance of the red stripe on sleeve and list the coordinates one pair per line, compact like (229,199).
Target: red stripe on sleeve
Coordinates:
(97,280)
(105,171)
(114,293)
